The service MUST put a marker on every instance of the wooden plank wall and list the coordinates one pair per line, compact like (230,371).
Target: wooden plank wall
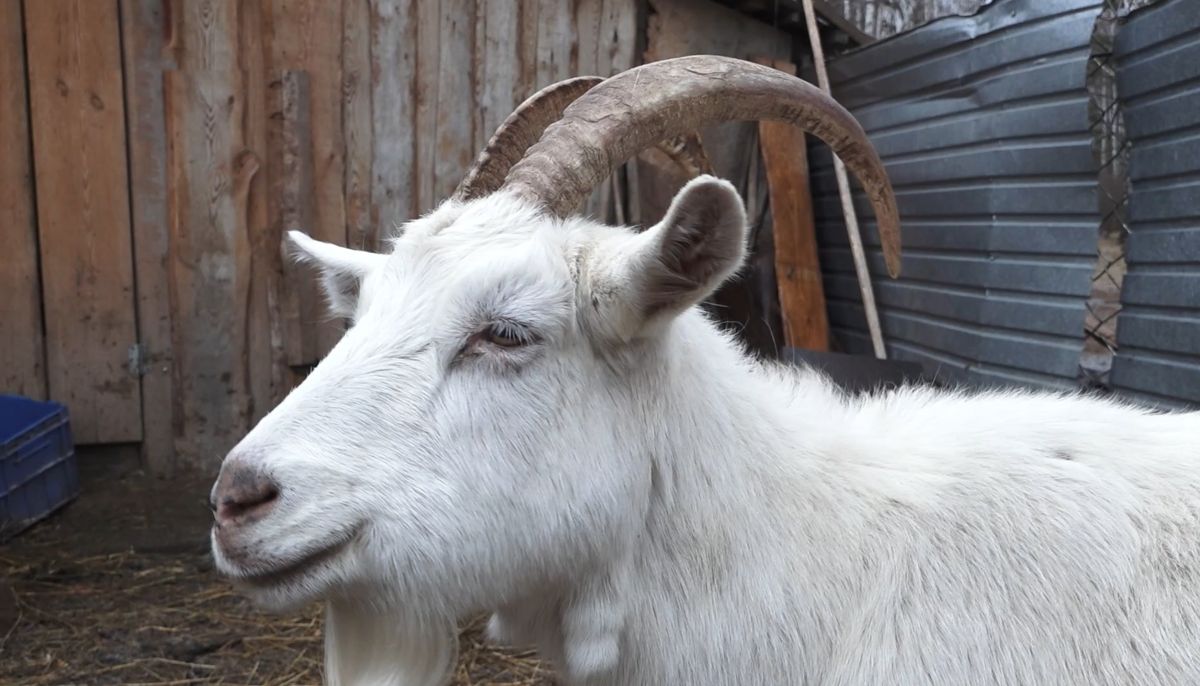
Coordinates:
(163,147)
(168,146)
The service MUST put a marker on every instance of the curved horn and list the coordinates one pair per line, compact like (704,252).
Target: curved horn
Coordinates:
(525,125)
(654,102)
(519,131)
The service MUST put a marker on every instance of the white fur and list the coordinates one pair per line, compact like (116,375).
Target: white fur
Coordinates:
(364,645)
(648,505)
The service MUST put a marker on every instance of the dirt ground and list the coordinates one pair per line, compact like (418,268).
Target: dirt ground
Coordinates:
(118,588)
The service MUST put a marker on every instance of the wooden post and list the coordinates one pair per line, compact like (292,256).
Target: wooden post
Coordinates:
(797,267)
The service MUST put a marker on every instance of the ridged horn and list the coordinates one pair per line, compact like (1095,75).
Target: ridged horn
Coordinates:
(637,108)
(516,133)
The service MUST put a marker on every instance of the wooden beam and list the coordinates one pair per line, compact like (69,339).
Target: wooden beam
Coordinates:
(22,355)
(797,267)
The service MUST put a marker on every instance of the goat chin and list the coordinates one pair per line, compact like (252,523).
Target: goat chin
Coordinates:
(368,648)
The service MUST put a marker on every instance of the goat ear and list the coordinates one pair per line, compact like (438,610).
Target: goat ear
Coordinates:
(699,243)
(342,269)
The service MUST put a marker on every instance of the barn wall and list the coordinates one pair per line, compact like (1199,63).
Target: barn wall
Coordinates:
(162,148)
(983,124)
(1158,329)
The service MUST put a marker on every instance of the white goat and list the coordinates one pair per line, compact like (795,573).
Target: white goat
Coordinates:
(530,415)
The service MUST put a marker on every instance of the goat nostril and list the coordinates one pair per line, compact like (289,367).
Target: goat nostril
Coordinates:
(244,494)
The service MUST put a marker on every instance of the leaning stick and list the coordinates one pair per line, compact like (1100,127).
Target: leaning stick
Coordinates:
(843,182)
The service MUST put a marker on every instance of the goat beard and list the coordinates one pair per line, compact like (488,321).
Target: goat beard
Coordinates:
(365,645)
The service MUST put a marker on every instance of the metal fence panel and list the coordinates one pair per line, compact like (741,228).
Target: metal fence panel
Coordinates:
(983,124)
(1158,78)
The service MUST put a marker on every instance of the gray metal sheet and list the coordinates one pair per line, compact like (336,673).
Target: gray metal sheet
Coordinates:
(982,122)
(1036,312)
(1160,113)
(1158,79)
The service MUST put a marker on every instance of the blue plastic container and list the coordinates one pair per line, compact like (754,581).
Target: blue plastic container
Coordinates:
(38,473)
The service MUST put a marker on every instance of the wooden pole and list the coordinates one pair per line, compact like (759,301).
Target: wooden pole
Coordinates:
(843,181)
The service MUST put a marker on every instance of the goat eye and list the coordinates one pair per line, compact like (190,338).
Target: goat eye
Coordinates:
(504,337)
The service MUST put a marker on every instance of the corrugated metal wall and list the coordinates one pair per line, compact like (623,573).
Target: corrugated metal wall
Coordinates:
(1158,330)
(983,124)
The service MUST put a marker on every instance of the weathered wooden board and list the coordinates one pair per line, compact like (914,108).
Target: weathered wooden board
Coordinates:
(290,139)
(209,172)
(588,35)
(270,378)
(556,42)
(142,39)
(620,36)
(456,111)
(22,352)
(361,233)
(428,41)
(306,35)
(797,267)
(528,17)
(497,63)
(393,112)
(78,122)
